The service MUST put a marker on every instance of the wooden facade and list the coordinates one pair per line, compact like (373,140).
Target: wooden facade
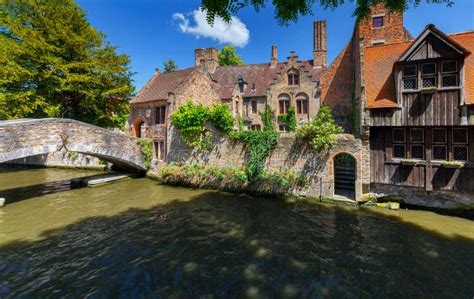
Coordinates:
(427,142)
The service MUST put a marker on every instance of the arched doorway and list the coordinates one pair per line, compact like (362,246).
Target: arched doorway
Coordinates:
(344,175)
(137,127)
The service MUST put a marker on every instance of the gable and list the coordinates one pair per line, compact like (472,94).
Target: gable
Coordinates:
(432,43)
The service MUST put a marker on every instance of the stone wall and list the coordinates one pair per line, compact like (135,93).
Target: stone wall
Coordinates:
(24,138)
(61,159)
(287,154)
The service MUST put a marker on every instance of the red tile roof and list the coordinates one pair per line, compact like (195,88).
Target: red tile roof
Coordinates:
(158,87)
(466,39)
(259,78)
(378,67)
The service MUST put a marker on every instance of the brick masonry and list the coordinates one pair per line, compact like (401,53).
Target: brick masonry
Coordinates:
(24,138)
(287,154)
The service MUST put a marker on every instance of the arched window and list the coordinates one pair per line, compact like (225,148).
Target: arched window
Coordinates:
(301,103)
(284,103)
(293,77)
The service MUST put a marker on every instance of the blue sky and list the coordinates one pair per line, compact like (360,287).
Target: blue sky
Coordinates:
(147,31)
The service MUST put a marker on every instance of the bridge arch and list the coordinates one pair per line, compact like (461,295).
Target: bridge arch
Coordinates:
(24,138)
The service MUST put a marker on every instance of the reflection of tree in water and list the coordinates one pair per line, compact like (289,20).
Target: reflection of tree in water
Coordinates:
(227,247)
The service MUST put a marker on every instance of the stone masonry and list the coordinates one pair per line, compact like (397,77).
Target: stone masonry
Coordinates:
(24,138)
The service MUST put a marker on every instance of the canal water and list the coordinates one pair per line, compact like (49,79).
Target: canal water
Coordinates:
(135,238)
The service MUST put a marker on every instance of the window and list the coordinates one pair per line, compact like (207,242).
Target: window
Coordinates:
(449,73)
(417,147)
(160,115)
(284,103)
(254,106)
(283,128)
(255,127)
(410,77)
(399,149)
(377,22)
(293,77)
(439,148)
(301,104)
(428,75)
(160,150)
(460,148)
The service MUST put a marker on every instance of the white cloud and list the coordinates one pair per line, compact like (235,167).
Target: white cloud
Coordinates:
(235,32)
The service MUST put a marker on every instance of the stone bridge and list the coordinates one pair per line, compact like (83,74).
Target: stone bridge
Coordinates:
(28,137)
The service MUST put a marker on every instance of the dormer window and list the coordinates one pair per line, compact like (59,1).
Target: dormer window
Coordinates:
(449,73)
(410,77)
(293,77)
(377,22)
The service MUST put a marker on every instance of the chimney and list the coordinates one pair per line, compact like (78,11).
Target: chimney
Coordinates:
(320,48)
(293,58)
(206,59)
(274,59)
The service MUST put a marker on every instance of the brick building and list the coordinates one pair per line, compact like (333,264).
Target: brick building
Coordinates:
(405,98)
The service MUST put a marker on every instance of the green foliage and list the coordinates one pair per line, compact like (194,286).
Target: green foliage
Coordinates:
(354,115)
(54,64)
(72,155)
(221,118)
(190,121)
(169,66)
(231,179)
(320,131)
(146,147)
(228,56)
(259,145)
(289,119)
(291,10)
(267,119)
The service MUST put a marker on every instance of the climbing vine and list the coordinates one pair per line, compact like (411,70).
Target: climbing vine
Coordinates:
(190,120)
(355,114)
(146,147)
(289,119)
(320,131)
(259,144)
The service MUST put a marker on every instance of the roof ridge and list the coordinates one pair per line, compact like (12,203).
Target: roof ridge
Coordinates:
(462,32)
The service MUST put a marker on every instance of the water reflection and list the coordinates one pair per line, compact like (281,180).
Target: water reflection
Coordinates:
(137,239)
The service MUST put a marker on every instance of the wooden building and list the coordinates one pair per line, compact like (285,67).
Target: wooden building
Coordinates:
(419,103)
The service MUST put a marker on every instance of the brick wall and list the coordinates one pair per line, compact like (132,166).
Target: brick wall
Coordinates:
(287,154)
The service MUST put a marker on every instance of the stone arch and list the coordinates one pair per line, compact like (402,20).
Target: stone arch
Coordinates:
(137,125)
(42,136)
(345,169)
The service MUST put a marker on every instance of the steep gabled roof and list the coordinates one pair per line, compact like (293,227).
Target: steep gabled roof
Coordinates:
(431,30)
(380,60)
(259,78)
(160,85)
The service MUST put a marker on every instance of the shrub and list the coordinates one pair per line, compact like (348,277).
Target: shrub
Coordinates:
(320,131)
(146,147)
(190,121)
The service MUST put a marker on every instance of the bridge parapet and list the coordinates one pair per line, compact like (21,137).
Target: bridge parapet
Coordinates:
(29,137)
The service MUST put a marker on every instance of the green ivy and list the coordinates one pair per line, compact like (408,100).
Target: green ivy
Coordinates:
(190,121)
(355,114)
(267,119)
(146,147)
(289,119)
(320,131)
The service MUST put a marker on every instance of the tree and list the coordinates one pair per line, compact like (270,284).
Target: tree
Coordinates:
(228,56)
(169,66)
(290,10)
(54,64)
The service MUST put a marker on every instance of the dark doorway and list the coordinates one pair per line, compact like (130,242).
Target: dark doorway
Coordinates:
(344,175)
(137,127)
